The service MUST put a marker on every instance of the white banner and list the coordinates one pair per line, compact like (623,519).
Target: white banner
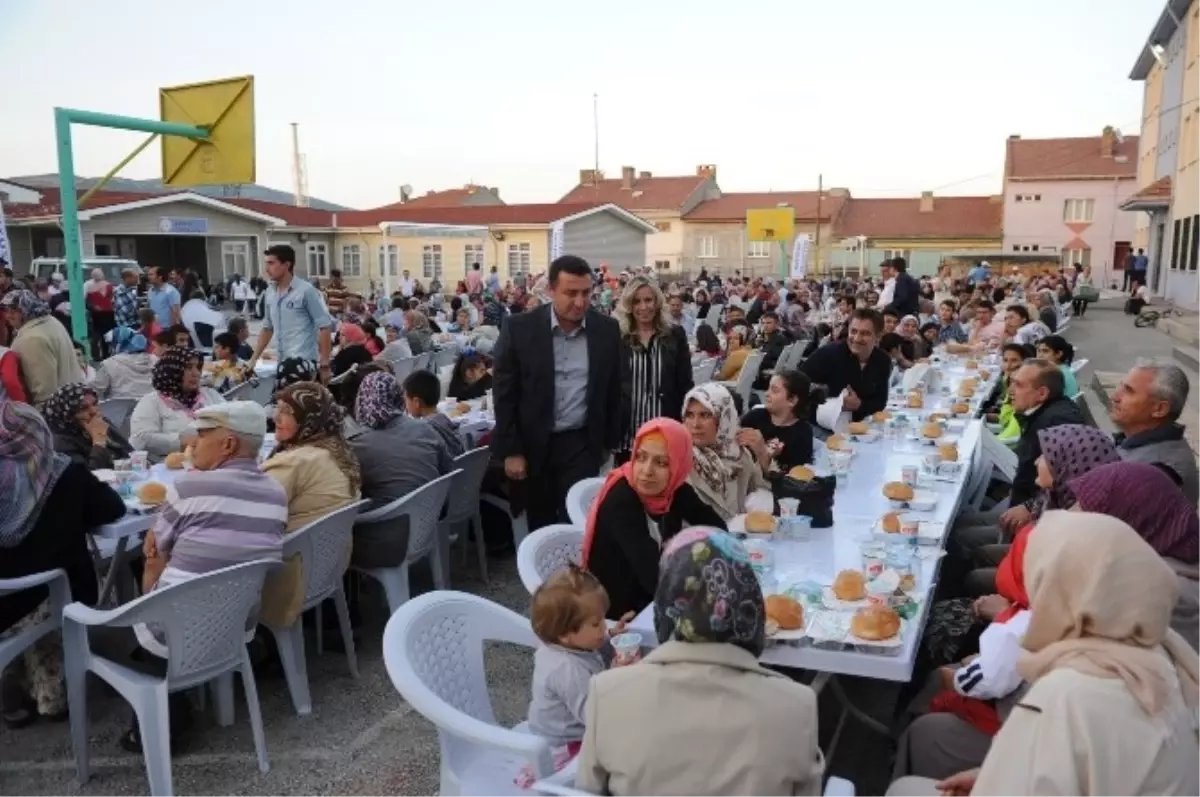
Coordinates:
(5,250)
(800,256)
(556,241)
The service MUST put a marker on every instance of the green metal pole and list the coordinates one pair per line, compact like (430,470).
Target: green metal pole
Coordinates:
(63,119)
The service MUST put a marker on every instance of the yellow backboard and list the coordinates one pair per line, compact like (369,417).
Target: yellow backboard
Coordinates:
(227,108)
(770,224)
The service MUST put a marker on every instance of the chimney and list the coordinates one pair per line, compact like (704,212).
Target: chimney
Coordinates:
(587,176)
(706,170)
(926,201)
(1014,137)
(627,174)
(1107,139)
(644,175)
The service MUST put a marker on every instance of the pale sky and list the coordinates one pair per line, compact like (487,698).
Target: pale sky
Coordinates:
(887,98)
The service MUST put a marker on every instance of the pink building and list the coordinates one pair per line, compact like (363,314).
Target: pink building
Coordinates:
(1061,195)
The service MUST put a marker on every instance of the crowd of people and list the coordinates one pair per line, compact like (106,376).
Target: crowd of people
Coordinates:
(1065,623)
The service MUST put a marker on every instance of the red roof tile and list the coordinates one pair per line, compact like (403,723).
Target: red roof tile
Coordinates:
(465,214)
(452,197)
(1158,192)
(733,207)
(650,193)
(1068,158)
(951,217)
(294,216)
(49,206)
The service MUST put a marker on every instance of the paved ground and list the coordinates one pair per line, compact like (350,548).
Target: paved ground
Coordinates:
(362,738)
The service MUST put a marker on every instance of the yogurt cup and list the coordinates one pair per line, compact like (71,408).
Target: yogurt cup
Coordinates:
(627,648)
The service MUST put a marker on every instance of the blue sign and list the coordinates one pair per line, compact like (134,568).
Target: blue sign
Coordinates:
(169,225)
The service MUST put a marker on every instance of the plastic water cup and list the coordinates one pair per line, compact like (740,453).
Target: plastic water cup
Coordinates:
(139,460)
(796,528)
(910,475)
(788,506)
(627,648)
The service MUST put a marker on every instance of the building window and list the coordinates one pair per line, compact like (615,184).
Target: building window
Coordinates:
(1076,257)
(351,260)
(662,226)
(318,260)
(1195,249)
(1028,197)
(518,258)
(389,260)
(708,246)
(1078,210)
(1016,248)
(891,254)
(235,257)
(662,265)
(431,261)
(1175,245)
(472,254)
(760,249)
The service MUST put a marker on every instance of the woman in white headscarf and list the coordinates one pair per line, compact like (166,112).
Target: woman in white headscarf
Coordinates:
(723,472)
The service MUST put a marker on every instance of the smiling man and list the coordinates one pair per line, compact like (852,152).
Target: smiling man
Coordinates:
(855,368)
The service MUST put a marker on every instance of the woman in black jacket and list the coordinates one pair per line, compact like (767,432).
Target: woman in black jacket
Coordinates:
(656,363)
(73,414)
(643,503)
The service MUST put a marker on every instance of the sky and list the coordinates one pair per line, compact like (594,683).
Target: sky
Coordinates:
(885,98)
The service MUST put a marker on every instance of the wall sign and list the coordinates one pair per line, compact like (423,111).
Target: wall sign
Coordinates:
(172,225)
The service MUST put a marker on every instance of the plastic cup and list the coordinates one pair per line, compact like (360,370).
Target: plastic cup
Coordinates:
(910,526)
(139,460)
(910,475)
(788,506)
(627,648)
(797,528)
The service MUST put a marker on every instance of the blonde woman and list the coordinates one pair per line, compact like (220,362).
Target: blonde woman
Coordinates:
(656,364)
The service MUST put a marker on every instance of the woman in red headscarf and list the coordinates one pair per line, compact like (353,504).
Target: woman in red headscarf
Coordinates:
(643,504)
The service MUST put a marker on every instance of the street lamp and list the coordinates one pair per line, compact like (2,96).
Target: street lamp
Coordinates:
(862,243)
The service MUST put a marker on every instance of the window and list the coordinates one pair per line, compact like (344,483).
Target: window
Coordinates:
(1028,197)
(389,260)
(1195,243)
(662,226)
(760,249)
(518,258)
(431,261)
(1078,210)
(708,246)
(662,265)
(351,260)
(318,260)
(472,254)
(1185,245)
(889,254)
(235,257)
(1175,246)
(1073,257)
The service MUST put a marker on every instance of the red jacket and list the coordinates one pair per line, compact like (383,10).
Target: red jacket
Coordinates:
(10,375)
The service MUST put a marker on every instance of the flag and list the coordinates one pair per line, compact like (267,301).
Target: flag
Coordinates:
(800,256)
(556,241)
(5,251)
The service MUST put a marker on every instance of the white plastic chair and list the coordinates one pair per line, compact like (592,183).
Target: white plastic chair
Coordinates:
(402,367)
(423,508)
(442,358)
(562,784)
(255,389)
(240,392)
(322,547)
(462,509)
(433,649)
(520,523)
(703,372)
(113,555)
(118,412)
(204,624)
(1079,365)
(421,361)
(580,498)
(547,551)
(747,377)
(15,644)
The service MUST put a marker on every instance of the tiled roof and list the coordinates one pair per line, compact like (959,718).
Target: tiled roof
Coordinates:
(294,216)
(951,217)
(465,214)
(1157,193)
(733,207)
(50,206)
(650,193)
(452,197)
(1069,158)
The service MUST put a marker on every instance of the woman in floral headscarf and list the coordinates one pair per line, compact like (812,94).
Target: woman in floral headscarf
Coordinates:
(318,472)
(710,620)
(162,420)
(42,344)
(80,431)
(723,473)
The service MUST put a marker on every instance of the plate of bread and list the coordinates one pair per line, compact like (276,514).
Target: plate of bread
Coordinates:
(904,496)
(802,473)
(868,626)
(151,493)
(758,523)
(861,432)
(785,618)
(838,442)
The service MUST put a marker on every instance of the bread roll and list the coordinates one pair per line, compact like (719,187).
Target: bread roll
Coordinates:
(858,427)
(890,523)
(787,613)
(898,491)
(985,374)
(937,417)
(948,452)
(972,365)
(915,401)
(836,442)
(152,493)
(882,416)
(966,391)
(175,460)
(850,585)
(931,431)
(960,408)
(875,623)
(802,473)
(759,523)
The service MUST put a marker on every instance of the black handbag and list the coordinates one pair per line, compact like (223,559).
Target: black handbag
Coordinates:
(815,497)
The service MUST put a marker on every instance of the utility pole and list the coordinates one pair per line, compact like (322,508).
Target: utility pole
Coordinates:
(817,247)
(298,197)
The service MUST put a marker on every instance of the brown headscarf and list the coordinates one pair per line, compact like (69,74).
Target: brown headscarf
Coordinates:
(320,420)
(1100,600)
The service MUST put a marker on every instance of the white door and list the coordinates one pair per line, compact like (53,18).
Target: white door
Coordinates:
(235,259)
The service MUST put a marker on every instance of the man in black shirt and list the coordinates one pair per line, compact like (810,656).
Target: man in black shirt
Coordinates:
(856,366)
(907,295)
(773,340)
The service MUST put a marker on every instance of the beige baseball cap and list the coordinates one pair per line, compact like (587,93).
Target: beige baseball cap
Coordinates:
(239,417)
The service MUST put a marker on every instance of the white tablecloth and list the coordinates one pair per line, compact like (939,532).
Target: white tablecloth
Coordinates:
(134,521)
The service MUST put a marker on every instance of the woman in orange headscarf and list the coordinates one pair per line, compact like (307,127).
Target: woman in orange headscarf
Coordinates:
(643,504)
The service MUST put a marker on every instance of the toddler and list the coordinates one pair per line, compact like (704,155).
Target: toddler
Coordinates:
(568,617)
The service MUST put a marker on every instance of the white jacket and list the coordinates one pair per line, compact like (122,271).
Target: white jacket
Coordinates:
(156,428)
(125,376)
(993,674)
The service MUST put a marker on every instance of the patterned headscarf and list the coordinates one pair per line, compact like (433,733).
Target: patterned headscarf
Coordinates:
(319,418)
(379,400)
(293,370)
(1071,450)
(418,321)
(1031,333)
(719,463)
(707,592)
(128,341)
(1146,498)
(29,469)
(167,377)
(493,313)
(27,302)
(59,410)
